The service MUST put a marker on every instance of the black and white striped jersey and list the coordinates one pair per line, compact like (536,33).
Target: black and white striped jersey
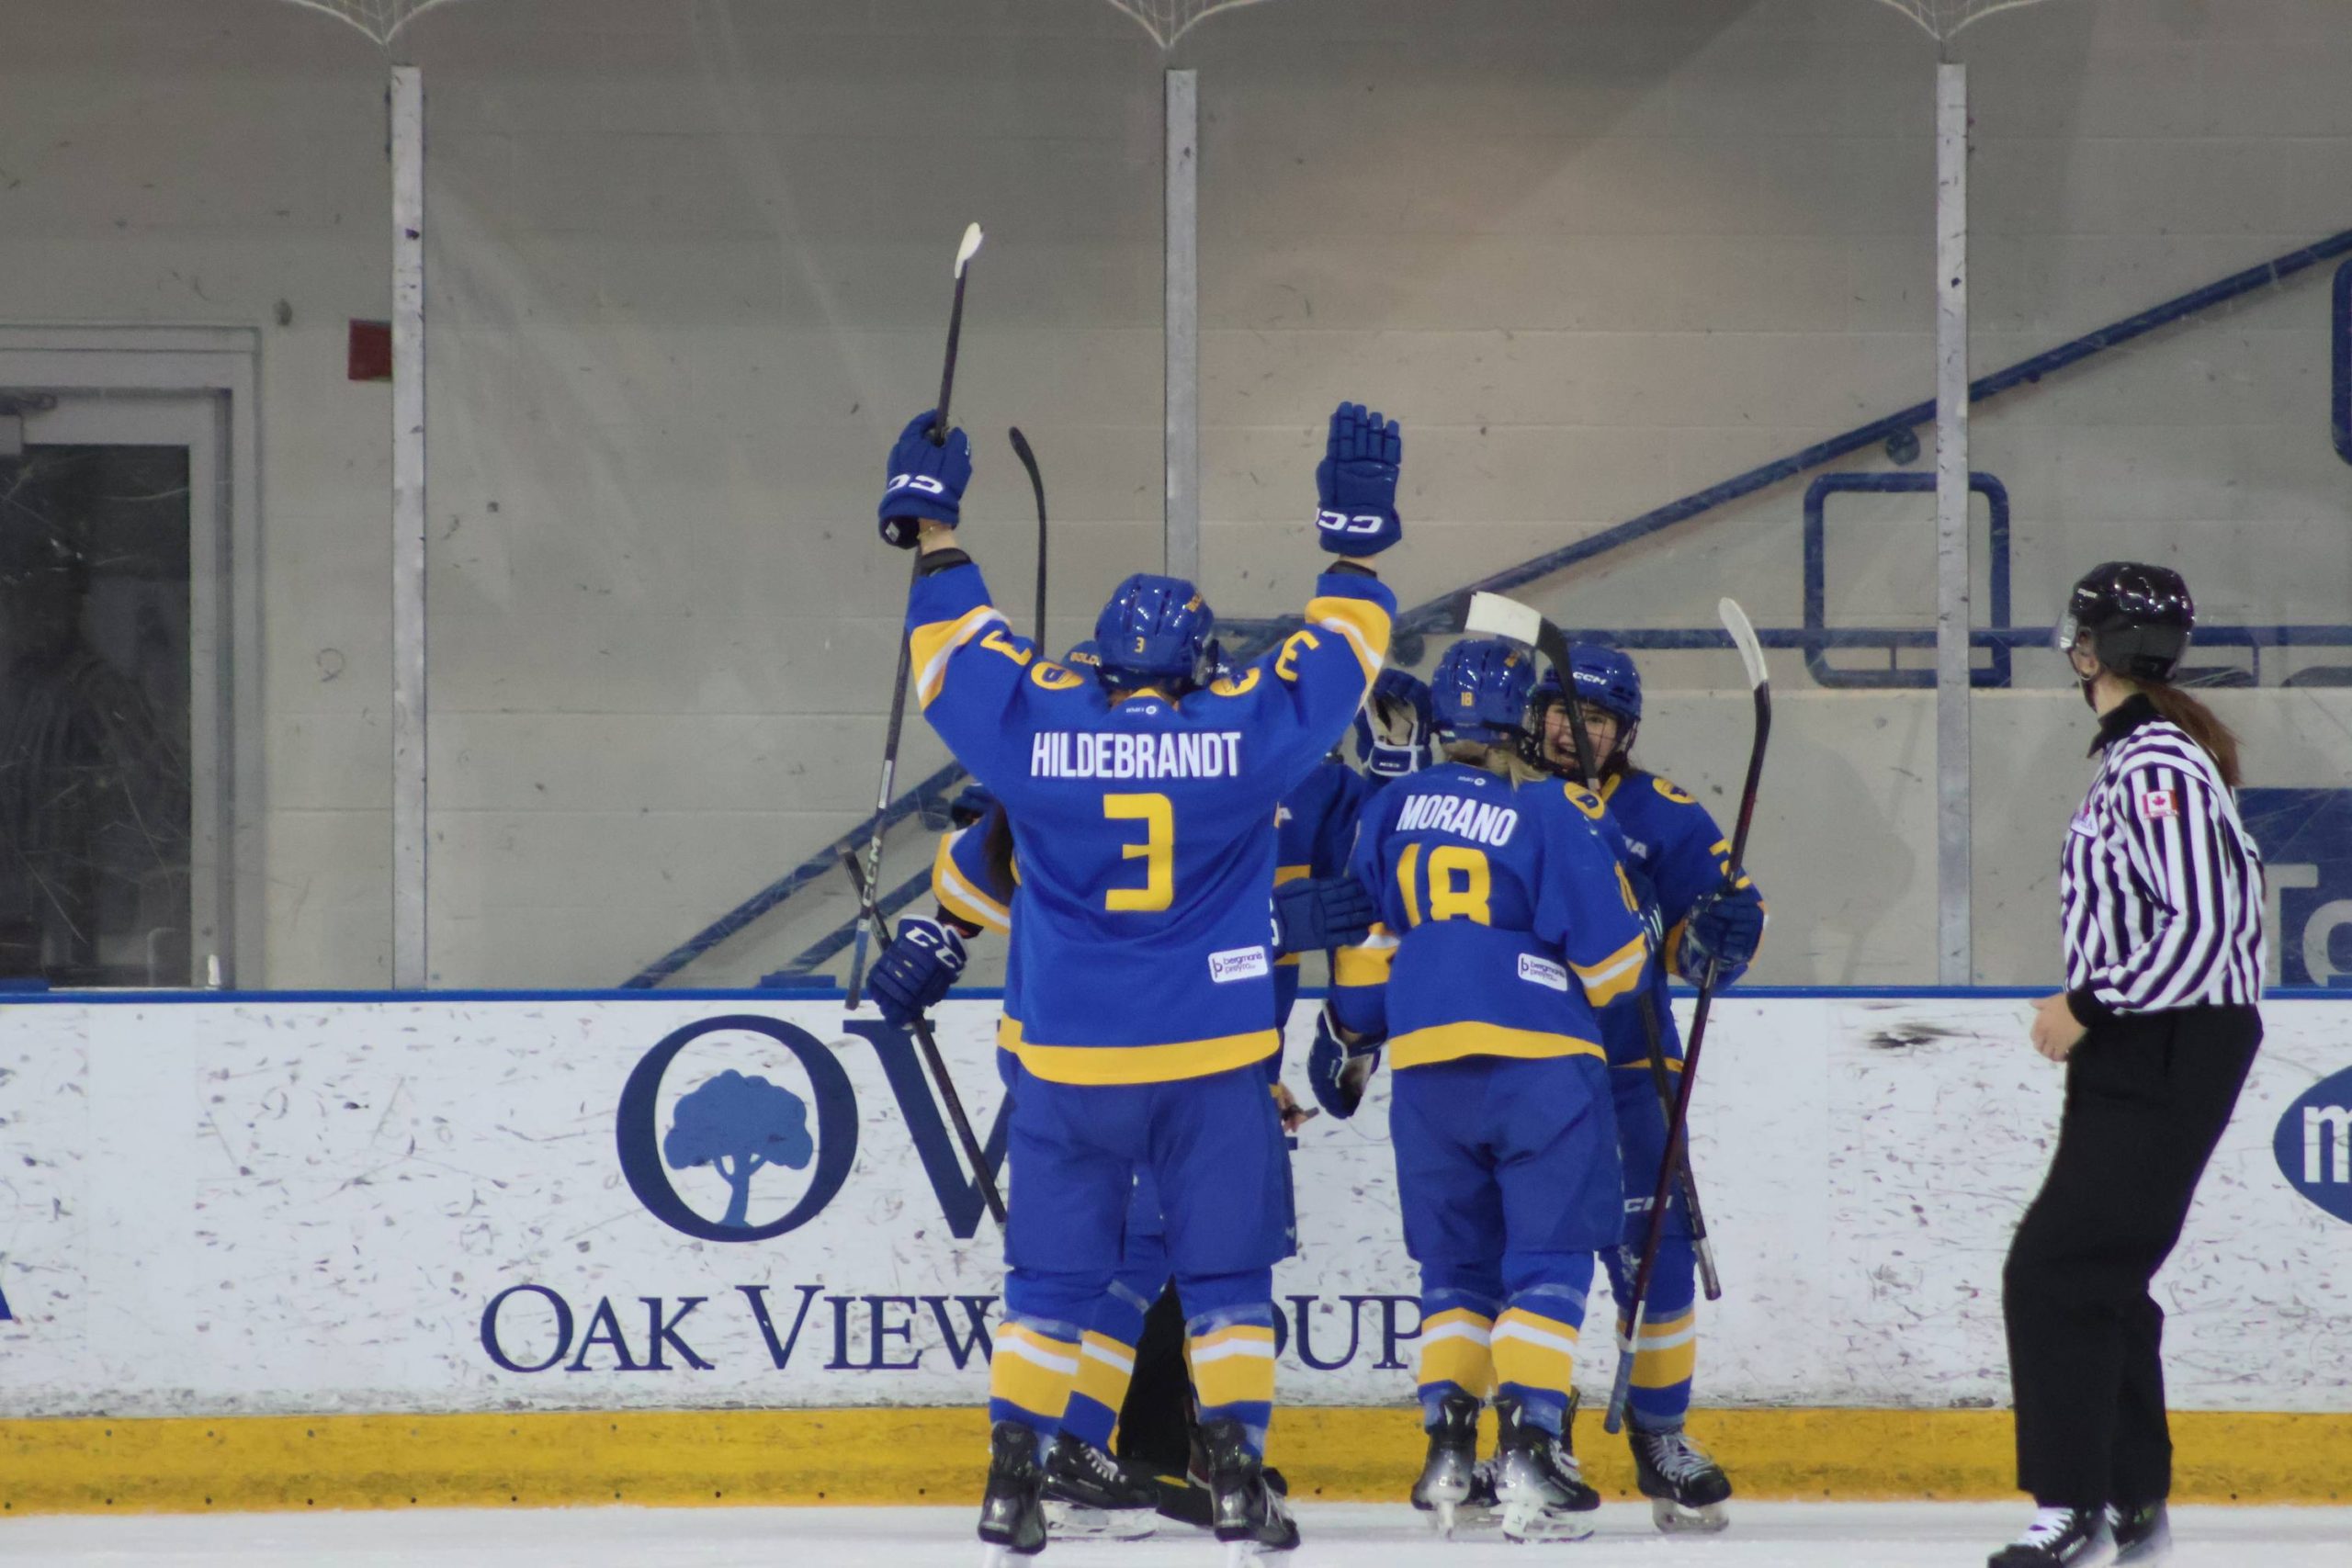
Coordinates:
(2161,891)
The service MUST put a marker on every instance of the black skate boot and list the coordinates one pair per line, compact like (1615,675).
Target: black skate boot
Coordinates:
(2059,1538)
(1587,1499)
(1252,1516)
(1088,1493)
(1539,1486)
(1449,1475)
(2143,1534)
(1013,1510)
(1687,1490)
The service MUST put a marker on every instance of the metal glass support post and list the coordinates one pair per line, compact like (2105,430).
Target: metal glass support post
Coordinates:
(409,955)
(1181,518)
(1953,619)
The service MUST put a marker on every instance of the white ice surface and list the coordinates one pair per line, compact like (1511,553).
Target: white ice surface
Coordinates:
(1764,1535)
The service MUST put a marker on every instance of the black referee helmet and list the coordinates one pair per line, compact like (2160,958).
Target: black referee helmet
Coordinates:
(2138,618)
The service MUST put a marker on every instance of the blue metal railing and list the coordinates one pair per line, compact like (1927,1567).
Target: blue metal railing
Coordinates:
(1443,615)
(1816,575)
(2340,362)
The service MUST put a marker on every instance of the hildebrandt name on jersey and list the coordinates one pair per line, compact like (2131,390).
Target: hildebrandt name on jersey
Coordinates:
(1475,821)
(1079,754)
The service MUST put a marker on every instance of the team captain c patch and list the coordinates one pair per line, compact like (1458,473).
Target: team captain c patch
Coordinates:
(2156,803)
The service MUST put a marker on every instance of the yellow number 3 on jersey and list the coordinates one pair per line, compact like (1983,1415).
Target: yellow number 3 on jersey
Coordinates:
(1158,852)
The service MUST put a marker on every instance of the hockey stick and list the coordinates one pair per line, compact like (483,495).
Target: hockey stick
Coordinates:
(868,915)
(1493,615)
(1677,1133)
(947,1095)
(1037,483)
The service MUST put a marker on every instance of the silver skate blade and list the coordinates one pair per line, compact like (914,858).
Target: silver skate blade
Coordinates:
(995,1556)
(1241,1553)
(1528,1522)
(1673,1519)
(1444,1519)
(1074,1522)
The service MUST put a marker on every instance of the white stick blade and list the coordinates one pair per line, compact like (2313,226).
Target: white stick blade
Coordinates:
(1751,652)
(968,248)
(1492,615)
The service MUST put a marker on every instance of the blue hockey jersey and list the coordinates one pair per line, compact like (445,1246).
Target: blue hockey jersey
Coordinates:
(1142,944)
(1513,918)
(1678,854)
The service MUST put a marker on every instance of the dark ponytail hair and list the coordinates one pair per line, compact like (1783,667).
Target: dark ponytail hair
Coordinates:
(2204,727)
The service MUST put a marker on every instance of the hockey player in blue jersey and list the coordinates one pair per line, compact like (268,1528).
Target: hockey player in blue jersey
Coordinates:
(1514,926)
(1678,857)
(1317,903)
(1139,989)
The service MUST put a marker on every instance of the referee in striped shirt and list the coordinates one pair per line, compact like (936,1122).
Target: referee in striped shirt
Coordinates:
(2160,893)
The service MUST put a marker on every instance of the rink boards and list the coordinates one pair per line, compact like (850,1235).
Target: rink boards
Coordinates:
(438,1218)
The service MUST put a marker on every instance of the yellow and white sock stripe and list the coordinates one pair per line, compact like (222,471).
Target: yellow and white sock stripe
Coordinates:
(1535,1351)
(1667,1352)
(1457,1347)
(1033,1370)
(1234,1365)
(1105,1367)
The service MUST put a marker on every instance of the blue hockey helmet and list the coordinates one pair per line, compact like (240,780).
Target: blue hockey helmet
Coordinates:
(1605,678)
(1392,726)
(1155,631)
(1481,690)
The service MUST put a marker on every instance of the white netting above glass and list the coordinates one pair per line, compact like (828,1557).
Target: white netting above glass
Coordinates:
(380,19)
(1168,20)
(1945,18)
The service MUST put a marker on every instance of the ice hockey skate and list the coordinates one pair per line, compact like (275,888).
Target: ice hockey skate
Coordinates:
(1687,1489)
(1090,1494)
(1539,1488)
(1013,1510)
(1450,1474)
(2059,1538)
(1251,1516)
(2142,1534)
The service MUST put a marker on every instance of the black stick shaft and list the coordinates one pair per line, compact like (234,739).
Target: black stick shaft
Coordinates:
(869,909)
(937,1064)
(1037,483)
(1678,1128)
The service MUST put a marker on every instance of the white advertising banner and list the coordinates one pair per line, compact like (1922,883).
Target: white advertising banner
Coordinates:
(262,1206)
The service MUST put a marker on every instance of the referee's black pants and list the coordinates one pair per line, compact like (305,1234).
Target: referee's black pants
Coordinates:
(2147,1096)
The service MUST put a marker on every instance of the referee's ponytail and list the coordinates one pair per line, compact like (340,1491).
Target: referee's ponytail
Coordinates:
(2203,725)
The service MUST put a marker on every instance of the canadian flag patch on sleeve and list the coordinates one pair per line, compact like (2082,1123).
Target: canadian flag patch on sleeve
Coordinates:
(2156,803)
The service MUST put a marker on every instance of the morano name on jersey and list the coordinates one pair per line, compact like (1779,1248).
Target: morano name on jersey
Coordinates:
(1081,754)
(1474,819)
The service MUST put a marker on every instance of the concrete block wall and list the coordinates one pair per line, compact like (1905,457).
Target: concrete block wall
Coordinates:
(689,272)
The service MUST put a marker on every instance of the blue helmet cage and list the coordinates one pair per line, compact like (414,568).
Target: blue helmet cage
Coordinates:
(1396,695)
(1154,632)
(1483,689)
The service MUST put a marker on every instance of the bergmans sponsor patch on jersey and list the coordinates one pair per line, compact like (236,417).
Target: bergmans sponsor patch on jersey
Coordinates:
(1084,754)
(1240,963)
(1543,972)
(1474,819)
(2156,803)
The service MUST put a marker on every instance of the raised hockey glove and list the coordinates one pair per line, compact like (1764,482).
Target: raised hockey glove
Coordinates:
(914,972)
(1338,1071)
(1356,483)
(1727,926)
(926,481)
(1315,913)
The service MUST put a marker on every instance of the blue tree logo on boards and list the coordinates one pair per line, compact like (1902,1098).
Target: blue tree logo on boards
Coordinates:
(2313,1145)
(738,1125)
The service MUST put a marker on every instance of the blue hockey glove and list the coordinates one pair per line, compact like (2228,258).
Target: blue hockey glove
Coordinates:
(914,972)
(1338,1071)
(1356,482)
(1321,912)
(1727,926)
(926,481)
